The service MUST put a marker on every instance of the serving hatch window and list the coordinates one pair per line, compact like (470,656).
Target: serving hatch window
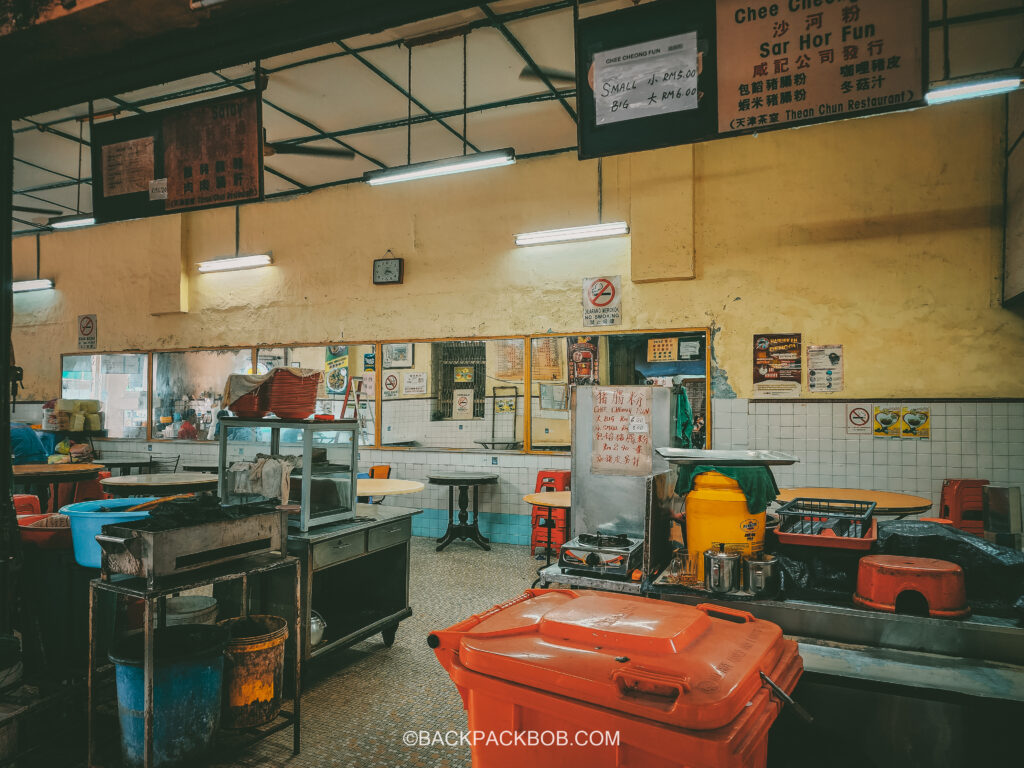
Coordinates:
(120,382)
(188,388)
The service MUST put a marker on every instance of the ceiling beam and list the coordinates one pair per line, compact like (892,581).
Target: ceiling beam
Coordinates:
(41,168)
(289,179)
(52,185)
(518,47)
(430,114)
(44,200)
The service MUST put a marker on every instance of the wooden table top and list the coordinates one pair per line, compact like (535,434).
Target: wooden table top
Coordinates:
(886,502)
(161,479)
(462,478)
(142,461)
(55,473)
(386,486)
(557,499)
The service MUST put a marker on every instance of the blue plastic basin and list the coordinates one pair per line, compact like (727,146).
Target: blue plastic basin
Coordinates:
(89,517)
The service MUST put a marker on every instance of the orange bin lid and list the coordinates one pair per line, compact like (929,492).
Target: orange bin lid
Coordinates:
(691,667)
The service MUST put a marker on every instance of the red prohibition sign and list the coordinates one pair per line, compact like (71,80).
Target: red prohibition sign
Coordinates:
(391,382)
(858,417)
(85,327)
(602,292)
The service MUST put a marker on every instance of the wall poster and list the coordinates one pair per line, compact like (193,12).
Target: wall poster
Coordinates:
(785,63)
(622,431)
(414,383)
(885,421)
(824,369)
(336,369)
(916,422)
(509,359)
(777,365)
(583,357)
(546,359)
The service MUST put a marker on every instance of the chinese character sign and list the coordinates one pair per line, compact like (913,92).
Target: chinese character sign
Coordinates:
(795,60)
(622,431)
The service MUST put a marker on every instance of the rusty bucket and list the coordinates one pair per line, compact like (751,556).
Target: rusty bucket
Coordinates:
(253,670)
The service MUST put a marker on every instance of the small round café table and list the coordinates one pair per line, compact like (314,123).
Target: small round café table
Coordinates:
(463,529)
(378,486)
(887,503)
(160,484)
(549,500)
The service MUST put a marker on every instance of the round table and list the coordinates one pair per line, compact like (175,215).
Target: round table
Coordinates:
(549,500)
(44,476)
(206,467)
(463,529)
(121,465)
(160,484)
(887,503)
(386,487)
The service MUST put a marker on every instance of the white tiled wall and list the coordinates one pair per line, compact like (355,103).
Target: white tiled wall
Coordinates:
(409,420)
(968,440)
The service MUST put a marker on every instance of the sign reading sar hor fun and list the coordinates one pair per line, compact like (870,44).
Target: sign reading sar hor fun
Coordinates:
(793,61)
(622,431)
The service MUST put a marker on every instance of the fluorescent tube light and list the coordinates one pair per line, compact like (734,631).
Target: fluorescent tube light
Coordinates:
(589,232)
(235,262)
(24,286)
(956,90)
(70,222)
(459,164)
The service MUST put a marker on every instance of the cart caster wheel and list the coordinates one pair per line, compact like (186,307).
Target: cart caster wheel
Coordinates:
(389,636)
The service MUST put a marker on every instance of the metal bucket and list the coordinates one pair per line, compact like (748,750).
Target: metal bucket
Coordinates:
(191,609)
(253,670)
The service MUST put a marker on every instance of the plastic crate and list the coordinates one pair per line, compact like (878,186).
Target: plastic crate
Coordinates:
(831,523)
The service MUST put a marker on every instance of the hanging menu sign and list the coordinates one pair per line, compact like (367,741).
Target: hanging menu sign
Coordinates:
(777,365)
(794,61)
(622,431)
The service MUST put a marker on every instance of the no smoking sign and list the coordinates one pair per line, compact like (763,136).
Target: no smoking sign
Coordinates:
(390,385)
(858,419)
(87,332)
(602,300)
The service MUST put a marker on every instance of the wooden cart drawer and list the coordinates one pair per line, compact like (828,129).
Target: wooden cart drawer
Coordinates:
(337,550)
(390,533)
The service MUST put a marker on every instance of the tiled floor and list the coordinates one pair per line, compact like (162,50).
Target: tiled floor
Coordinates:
(359,702)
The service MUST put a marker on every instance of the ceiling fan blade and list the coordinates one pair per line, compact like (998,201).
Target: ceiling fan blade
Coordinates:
(28,209)
(554,75)
(302,149)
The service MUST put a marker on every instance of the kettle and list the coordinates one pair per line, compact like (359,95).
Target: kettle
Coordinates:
(317,628)
(721,570)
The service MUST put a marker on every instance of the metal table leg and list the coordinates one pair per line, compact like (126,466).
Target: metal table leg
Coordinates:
(147,681)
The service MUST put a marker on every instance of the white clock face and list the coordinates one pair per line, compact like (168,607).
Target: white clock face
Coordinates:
(386,270)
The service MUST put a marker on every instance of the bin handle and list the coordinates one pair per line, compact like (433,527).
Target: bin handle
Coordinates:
(639,681)
(729,614)
(117,543)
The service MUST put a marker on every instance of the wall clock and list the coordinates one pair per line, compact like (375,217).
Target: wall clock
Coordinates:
(388,271)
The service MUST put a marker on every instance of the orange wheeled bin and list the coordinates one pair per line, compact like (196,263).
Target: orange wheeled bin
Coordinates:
(662,685)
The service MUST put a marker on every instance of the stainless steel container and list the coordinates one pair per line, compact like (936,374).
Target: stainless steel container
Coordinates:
(762,575)
(721,570)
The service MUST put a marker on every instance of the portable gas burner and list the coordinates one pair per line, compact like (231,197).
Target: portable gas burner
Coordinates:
(602,554)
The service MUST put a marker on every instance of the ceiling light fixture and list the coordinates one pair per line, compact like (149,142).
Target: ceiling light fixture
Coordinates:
(238,261)
(460,164)
(973,87)
(24,286)
(589,232)
(71,222)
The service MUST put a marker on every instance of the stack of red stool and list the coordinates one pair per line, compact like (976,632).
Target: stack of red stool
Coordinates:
(961,504)
(26,504)
(92,490)
(550,480)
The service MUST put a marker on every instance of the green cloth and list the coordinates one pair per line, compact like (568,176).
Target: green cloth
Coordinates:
(757,483)
(684,420)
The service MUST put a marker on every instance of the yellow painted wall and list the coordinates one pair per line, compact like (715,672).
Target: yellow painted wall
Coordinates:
(883,234)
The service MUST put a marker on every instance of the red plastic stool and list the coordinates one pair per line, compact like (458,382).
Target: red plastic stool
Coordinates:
(553,480)
(91,490)
(961,502)
(26,504)
(892,583)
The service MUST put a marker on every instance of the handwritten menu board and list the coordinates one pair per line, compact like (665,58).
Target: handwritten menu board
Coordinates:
(546,359)
(793,61)
(508,359)
(199,155)
(622,431)
(777,365)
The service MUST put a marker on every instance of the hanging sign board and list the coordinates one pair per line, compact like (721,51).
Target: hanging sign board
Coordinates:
(786,62)
(622,431)
(825,369)
(200,155)
(87,331)
(602,300)
(645,77)
(777,365)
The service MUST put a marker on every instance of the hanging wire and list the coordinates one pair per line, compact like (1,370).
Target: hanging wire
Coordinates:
(78,187)
(600,190)
(465,139)
(237,227)
(408,136)
(37,256)
(945,40)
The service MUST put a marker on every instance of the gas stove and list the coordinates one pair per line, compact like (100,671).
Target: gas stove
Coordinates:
(602,554)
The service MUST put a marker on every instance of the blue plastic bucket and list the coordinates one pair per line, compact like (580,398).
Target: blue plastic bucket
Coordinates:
(89,517)
(188,674)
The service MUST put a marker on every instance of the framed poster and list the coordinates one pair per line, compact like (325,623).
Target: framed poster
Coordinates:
(646,77)
(777,365)
(398,355)
(199,155)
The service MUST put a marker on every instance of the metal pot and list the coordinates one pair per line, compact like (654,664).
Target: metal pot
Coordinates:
(317,628)
(762,575)
(721,570)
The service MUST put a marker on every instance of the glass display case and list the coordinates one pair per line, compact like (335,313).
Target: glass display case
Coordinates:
(323,485)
